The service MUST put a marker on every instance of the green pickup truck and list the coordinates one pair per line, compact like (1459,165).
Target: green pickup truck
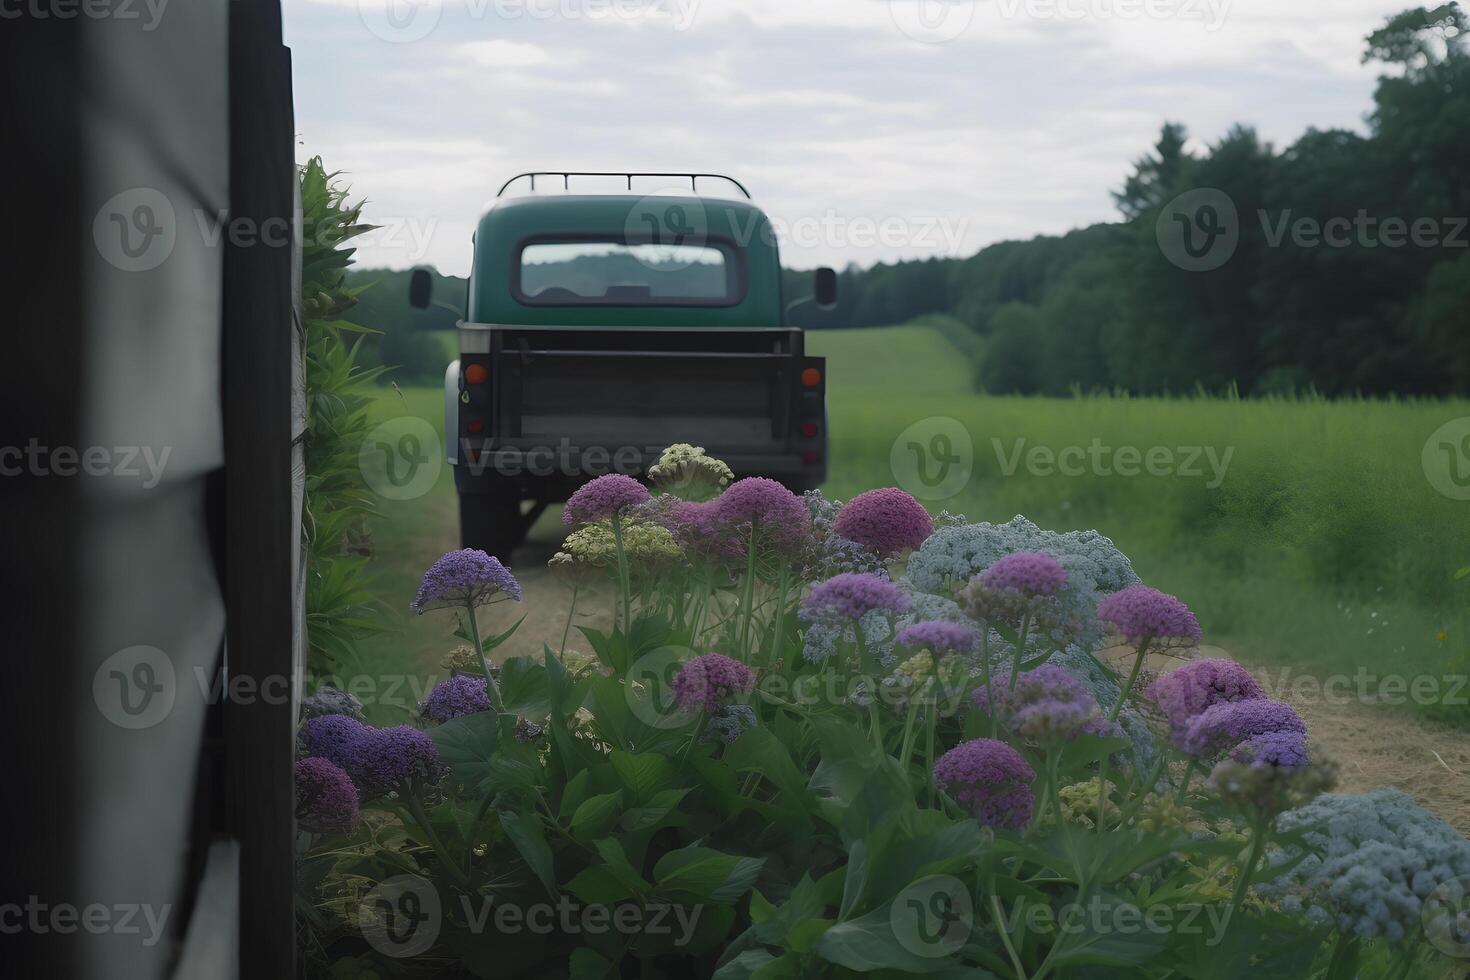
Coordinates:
(602,327)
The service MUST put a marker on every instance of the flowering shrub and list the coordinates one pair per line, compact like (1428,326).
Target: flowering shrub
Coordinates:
(887,770)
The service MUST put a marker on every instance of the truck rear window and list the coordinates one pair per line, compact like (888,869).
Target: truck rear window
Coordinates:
(609,273)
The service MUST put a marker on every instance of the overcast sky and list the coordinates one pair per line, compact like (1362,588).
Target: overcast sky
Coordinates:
(870,130)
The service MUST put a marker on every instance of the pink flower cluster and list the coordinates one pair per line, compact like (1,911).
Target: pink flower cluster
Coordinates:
(991,780)
(1028,573)
(601,498)
(888,520)
(1144,614)
(707,681)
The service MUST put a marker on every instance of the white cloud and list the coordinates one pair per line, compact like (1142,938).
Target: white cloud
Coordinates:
(1019,124)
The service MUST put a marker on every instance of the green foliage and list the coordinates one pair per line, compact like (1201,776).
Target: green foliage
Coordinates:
(341,609)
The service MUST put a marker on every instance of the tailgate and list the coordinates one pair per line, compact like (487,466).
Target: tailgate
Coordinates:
(743,393)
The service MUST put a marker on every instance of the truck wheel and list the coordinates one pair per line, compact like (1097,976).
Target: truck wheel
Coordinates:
(491,522)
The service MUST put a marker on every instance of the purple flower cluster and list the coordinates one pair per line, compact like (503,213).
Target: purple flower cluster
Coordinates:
(1048,704)
(780,516)
(326,800)
(462,694)
(467,577)
(695,525)
(888,520)
(937,636)
(1199,685)
(991,780)
(377,759)
(850,596)
(1219,729)
(1144,614)
(707,681)
(601,498)
(1286,750)
(1027,573)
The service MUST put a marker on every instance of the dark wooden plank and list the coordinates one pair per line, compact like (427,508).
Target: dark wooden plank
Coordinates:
(257,382)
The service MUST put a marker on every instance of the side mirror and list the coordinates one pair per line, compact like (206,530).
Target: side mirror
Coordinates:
(824,288)
(420,289)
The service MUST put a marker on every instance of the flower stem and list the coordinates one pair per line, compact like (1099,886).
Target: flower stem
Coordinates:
(1020,651)
(779,637)
(1128,687)
(748,597)
(420,817)
(617,529)
(492,689)
(567,629)
(1243,881)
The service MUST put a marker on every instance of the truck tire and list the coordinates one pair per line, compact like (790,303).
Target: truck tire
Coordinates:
(491,522)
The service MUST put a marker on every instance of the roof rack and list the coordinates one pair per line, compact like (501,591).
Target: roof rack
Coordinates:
(567,175)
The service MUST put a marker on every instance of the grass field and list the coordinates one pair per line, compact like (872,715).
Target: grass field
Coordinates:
(1304,533)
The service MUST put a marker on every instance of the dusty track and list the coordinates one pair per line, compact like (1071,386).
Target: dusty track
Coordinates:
(1373,745)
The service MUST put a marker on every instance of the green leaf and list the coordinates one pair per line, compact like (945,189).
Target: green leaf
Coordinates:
(525,688)
(598,886)
(620,867)
(528,836)
(744,966)
(656,814)
(595,816)
(588,965)
(644,774)
(700,874)
(467,746)
(868,943)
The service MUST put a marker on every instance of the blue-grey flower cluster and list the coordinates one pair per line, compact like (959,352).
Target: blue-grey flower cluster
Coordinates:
(956,553)
(729,723)
(1372,860)
(330,701)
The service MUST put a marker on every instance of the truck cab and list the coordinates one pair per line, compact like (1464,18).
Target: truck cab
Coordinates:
(602,327)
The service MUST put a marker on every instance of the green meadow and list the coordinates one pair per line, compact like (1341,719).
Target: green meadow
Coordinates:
(1304,532)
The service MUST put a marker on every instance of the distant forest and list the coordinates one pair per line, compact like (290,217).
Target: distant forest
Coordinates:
(1350,274)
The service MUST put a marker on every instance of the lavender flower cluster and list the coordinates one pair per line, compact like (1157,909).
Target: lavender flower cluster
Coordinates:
(378,760)
(465,578)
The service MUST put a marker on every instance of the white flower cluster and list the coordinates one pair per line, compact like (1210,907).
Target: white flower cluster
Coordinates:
(1372,860)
